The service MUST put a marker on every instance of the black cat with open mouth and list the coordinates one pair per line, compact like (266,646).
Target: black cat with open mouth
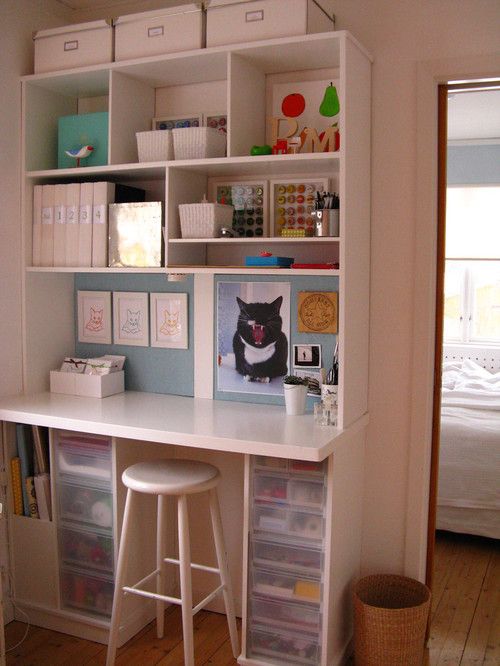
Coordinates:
(259,344)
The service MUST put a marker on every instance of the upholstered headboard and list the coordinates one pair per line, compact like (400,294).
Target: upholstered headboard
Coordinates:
(487,357)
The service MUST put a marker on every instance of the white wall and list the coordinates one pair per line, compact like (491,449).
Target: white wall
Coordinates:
(18,19)
(400,34)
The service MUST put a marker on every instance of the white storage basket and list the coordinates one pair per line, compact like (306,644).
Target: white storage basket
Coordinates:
(194,143)
(204,220)
(155,146)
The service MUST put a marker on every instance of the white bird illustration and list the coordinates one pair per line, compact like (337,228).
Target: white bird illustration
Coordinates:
(79,153)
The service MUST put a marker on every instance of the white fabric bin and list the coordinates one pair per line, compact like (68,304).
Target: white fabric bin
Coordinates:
(158,32)
(194,143)
(73,46)
(155,146)
(234,21)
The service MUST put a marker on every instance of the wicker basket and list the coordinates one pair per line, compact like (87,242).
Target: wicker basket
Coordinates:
(155,146)
(390,620)
(194,143)
(204,220)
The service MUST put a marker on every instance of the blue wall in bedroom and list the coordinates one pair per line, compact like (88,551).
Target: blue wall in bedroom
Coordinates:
(147,368)
(172,370)
(474,165)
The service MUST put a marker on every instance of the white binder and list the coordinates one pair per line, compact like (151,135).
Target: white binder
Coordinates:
(104,194)
(47,238)
(60,225)
(72,218)
(85,224)
(37,225)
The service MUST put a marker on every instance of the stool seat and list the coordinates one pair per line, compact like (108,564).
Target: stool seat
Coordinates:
(171,477)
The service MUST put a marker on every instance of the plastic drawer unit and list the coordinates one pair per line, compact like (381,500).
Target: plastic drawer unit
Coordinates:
(88,592)
(283,647)
(88,549)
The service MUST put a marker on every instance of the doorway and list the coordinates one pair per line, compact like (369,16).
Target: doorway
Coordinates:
(467,330)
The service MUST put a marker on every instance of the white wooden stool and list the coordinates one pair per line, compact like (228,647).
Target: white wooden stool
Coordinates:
(179,478)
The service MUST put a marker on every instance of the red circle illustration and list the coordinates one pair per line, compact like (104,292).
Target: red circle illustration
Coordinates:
(293,105)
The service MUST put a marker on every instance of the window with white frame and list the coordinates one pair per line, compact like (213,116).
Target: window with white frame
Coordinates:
(472,268)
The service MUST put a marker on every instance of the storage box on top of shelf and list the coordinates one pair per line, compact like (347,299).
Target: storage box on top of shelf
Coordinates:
(77,132)
(91,386)
(160,31)
(72,46)
(236,21)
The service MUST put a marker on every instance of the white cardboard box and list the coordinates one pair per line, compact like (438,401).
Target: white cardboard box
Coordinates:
(158,32)
(73,46)
(234,21)
(91,386)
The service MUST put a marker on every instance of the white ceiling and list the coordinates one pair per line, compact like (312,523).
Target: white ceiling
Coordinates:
(474,115)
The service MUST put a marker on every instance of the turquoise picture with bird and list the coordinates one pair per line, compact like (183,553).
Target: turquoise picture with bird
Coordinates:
(83,140)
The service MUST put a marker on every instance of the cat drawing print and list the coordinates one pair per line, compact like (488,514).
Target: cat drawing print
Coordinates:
(95,323)
(260,346)
(171,325)
(132,324)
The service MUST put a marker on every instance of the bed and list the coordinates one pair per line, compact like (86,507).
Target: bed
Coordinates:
(469,454)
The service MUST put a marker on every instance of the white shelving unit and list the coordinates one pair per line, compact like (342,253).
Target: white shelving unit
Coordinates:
(235,80)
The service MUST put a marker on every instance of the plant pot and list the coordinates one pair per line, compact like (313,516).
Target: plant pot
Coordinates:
(295,398)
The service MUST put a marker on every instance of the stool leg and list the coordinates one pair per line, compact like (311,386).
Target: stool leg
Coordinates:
(160,564)
(185,577)
(220,550)
(120,578)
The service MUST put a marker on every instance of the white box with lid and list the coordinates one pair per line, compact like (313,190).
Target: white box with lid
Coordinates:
(72,46)
(157,32)
(235,21)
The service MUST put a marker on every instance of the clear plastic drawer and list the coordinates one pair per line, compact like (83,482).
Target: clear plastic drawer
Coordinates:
(82,455)
(288,586)
(285,615)
(86,506)
(284,647)
(270,488)
(287,556)
(90,593)
(306,493)
(283,520)
(86,549)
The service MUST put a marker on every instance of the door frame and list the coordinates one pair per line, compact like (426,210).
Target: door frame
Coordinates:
(420,495)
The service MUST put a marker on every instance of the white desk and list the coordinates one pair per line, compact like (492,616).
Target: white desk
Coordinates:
(139,423)
(217,425)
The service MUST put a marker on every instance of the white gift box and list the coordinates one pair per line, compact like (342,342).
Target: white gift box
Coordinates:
(91,386)
(158,32)
(233,21)
(73,46)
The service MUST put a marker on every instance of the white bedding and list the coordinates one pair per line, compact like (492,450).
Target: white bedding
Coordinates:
(469,466)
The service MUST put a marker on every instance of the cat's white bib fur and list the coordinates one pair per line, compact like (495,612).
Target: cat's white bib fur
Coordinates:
(254,355)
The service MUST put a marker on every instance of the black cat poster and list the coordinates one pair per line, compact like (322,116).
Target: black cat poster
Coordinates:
(253,334)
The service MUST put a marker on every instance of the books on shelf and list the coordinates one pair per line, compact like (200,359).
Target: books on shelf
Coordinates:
(30,478)
(17,491)
(59,225)
(47,235)
(42,490)
(70,222)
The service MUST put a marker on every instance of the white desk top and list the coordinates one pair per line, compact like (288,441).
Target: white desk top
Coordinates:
(197,422)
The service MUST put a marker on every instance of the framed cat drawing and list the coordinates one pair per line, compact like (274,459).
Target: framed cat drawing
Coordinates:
(169,320)
(130,317)
(94,317)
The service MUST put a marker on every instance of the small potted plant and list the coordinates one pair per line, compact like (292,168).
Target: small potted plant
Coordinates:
(295,390)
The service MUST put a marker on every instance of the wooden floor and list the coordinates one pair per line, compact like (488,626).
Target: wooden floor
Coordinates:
(465,628)
(465,613)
